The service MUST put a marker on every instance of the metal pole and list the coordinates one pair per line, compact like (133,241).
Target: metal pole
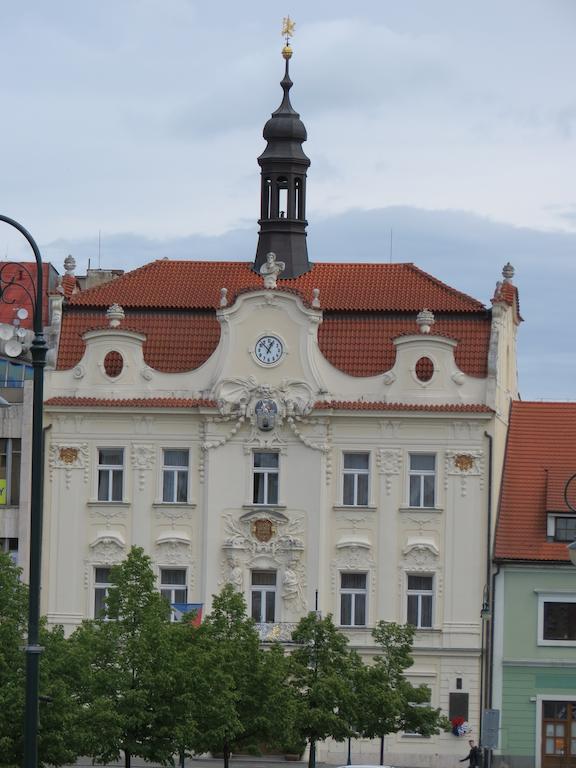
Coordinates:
(33,648)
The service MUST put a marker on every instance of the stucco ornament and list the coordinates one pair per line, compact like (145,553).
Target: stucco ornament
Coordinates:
(283,534)
(235,575)
(294,584)
(239,397)
(68,456)
(353,555)
(107,550)
(463,465)
(143,459)
(173,551)
(389,462)
(271,269)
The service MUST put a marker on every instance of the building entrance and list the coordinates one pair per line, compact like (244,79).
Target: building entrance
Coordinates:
(558,734)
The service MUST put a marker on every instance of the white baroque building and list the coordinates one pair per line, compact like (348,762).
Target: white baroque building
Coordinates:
(319,435)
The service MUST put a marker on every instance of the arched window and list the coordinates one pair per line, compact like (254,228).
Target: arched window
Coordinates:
(282,191)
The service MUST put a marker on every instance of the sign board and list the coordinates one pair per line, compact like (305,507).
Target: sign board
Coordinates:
(490,728)
(2,491)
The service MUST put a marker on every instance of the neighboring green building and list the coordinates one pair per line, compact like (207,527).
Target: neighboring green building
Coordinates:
(534,641)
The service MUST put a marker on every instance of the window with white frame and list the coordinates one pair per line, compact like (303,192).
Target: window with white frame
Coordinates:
(263,596)
(110,474)
(10,547)
(556,620)
(10,451)
(563,528)
(422,480)
(353,599)
(102,586)
(265,471)
(420,594)
(175,475)
(173,586)
(356,476)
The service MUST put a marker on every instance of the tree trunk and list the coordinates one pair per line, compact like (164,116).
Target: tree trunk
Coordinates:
(312,755)
(127,757)
(226,754)
(382,750)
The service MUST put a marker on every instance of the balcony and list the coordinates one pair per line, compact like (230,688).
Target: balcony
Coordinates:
(276,632)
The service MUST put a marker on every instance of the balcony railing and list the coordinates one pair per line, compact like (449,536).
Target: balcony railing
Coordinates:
(276,632)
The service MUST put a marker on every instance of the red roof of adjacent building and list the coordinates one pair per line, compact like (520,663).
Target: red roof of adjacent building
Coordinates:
(540,459)
(365,307)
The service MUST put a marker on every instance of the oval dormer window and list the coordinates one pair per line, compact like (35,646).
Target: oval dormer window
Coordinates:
(113,364)
(424,369)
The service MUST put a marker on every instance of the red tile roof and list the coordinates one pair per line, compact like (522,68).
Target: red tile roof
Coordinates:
(166,284)
(136,402)
(362,405)
(365,307)
(540,458)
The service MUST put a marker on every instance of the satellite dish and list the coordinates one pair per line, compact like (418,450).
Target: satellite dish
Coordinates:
(22,313)
(6,332)
(13,348)
(21,333)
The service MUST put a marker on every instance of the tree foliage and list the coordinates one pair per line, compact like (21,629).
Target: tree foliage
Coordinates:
(57,710)
(321,673)
(250,700)
(127,671)
(388,702)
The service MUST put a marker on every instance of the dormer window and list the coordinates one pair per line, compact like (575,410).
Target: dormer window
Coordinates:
(561,527)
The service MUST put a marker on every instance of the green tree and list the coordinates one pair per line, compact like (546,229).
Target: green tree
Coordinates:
(130,689)
(322,677)
(250,701)
(388,702)
(57,709)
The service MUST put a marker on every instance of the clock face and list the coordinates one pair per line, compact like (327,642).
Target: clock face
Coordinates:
(269,349)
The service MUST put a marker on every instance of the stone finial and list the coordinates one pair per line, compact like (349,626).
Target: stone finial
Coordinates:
(425,320)
(271,269)
(115,315)
(69,265)
(59,286)
(223,297)
(508,272)
(316,298)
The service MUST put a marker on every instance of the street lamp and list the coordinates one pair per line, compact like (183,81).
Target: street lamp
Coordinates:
(8,284)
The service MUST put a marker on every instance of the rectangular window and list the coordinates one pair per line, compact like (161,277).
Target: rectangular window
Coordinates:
(263,596)
(265,478)
(10,547)
(565,529)
(457,705)
(10,449)
(173,586)
(110,474)
(422,474)
(353,599)
(175,475)
(356,479)
(419,600)
(101,587)
(14,374)
(559,621)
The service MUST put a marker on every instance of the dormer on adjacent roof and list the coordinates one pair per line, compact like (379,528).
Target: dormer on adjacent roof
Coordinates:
(283,182)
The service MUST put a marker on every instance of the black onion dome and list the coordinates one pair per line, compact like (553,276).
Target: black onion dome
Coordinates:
(284,131)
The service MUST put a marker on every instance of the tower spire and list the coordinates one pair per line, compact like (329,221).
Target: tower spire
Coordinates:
(283,180)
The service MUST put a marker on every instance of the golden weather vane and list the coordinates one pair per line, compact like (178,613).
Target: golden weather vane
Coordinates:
(287,32)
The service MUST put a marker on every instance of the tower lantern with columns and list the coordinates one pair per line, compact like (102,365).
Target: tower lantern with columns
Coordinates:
(283,182)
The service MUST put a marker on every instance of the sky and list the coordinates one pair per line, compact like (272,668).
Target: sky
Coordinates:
(441,133)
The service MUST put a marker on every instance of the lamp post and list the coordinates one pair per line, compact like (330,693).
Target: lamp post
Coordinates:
(38,353)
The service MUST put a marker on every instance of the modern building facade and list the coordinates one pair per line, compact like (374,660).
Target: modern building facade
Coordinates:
(535,597)
(318,435)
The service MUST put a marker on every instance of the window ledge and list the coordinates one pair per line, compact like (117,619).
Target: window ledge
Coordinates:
(264,506)
(175,504)
(430,630)
(94,503)
(420,509)
(359,507)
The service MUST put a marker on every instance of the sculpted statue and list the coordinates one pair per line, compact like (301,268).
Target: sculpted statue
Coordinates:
(271,269)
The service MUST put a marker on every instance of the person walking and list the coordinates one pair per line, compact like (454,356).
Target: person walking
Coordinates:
(473,756)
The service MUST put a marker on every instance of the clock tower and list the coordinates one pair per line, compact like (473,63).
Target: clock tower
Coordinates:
(283,184)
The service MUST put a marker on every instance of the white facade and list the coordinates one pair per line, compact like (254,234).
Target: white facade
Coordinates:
(299,484)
